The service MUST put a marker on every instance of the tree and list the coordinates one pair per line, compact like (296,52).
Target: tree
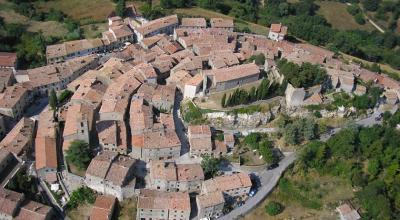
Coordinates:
(79,154)
(223,100)
(53,100)
(80,196)
(64,95)
(209,4)
(353,9)
(359,18)
(309,129)
(210,166)
(265,149)
(252,140)
(120,8)
(291,134)
(274,208)
(371,5)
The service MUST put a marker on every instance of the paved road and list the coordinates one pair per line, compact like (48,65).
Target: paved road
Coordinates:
(269,179)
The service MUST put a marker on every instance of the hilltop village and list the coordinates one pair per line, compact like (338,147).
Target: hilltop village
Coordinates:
(122,96)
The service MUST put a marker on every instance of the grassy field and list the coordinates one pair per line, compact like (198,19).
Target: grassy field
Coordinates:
(94,30)
(48,28)
(201,12)
(336,14)
(82,212)
(127,209)
(94,10)
(315,190)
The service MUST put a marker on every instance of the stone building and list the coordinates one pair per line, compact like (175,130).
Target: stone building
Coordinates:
(153,204)
(10,201)
(277,32)
(8,61)
(200,140)
(78,124)
(172,177)
(19,141)
(165,25)
(46,144)
(193,23)
(111,174)
(103,208)
(6,78)
(210,205)
(71,49)
(222,23)
(13,205)
(14,100)
(112,136)
(232,77)
(116,98)
(232,186)
(153,137)
(294,96)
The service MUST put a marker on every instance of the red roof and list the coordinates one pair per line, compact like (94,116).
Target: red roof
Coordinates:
(8,59)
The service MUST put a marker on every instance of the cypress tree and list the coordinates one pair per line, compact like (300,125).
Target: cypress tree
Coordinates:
(223,100)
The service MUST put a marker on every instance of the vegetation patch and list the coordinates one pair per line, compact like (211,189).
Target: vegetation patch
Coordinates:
(191,113)
(127,209)
(79,154)
(97,10)
(341,17)
(83,195)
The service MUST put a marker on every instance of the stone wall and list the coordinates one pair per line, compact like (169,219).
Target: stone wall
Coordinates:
(223,120)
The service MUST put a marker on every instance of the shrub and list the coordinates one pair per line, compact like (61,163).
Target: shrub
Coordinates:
(81,196)
(79,154)
(64,96)
(359,18)
(274,208)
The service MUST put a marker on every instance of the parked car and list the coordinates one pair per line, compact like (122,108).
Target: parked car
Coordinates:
(273,166)
(252,192)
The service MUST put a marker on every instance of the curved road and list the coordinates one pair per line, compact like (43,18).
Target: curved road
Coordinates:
(268,179)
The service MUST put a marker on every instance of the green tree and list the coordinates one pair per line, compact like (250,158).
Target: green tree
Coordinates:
(79,154)
(371,5)
(353,9)
(359,18)
(223,100)
(373,168)
(81,196)
(265,149)
(253,94)
(120,8)
(291,134)
(252,140)
(64,95)
(53,100)
(210,4)
(210,166)
(309,129)
(274,208)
